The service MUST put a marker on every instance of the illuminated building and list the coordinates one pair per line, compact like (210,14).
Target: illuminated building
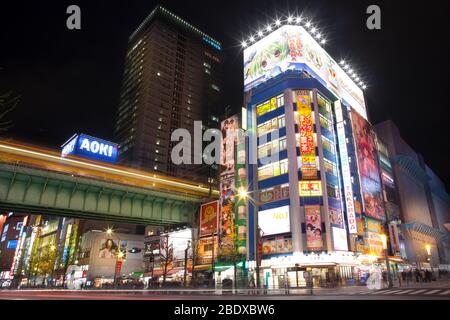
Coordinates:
(172,78)
(10,243)
(313,172)
(424,204)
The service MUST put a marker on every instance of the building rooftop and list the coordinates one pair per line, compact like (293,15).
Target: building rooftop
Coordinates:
(159,10)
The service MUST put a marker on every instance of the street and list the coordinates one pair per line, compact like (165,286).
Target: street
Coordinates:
(418,292)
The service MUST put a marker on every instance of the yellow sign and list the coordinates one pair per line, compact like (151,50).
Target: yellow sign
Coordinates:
(306,130)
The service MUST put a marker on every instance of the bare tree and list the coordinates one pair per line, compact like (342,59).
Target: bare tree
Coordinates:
(166,256)
(7,103)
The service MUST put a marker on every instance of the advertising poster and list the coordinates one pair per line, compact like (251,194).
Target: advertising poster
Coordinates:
(274,221)
(335,216)
(227,201)
(314,239)
(368,167)
(276,245)
(205,250)
(109,248)
(208,218)
(292,48)
(306,134)
(228,128)
(227,227)
(310,188)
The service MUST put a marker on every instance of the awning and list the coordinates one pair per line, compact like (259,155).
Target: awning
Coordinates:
(203,267)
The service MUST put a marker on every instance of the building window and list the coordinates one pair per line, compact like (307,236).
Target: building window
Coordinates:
(270,105)
(273,169)
(271,125)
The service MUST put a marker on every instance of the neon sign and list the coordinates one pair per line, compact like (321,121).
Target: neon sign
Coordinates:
(90,147)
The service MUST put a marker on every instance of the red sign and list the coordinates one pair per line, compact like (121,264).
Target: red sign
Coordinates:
(208,218)
(118,267)
(260,252)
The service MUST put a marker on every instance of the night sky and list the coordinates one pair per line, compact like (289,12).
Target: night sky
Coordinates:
(69,81)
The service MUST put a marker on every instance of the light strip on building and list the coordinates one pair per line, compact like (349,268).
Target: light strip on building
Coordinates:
(346,175)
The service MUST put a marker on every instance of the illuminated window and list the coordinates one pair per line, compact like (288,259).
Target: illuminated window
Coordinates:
(269,105)
(284,166)
(330,167)
(271,125)
(273,169)
(328,145)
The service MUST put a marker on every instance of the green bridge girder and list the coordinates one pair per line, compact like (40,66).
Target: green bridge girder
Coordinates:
(36,191)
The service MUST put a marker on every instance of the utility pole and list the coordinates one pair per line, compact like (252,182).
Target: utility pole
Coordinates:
(186,261)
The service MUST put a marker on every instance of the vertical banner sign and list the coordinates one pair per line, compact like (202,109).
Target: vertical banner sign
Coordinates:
(19,247)
(241,204)
(306,132)
(208,218)
(314,240)
(227,219)
(346,175)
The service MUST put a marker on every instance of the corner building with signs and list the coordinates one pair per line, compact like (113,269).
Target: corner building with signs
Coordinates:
(314,186)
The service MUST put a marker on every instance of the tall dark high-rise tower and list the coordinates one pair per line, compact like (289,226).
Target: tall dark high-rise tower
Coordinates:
(172,78)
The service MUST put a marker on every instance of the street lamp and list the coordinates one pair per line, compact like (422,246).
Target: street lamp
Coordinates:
(186,251)
(386,259)
(428,249)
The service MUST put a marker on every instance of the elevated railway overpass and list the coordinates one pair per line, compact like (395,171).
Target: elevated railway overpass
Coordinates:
(40,181)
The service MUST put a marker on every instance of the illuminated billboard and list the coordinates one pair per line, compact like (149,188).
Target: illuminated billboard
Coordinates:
(306,135)
(91,148)
(208,218)
(339,239)
(227,202)
(368,167)
(274,221)
(313,220)
(310,188)
(292,48)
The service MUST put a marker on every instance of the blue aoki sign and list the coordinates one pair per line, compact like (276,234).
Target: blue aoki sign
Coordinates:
(90,147)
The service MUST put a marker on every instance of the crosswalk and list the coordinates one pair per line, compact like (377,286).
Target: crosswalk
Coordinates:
(431,292)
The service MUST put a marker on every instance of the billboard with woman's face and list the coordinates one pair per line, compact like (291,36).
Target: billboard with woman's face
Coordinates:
(109,248)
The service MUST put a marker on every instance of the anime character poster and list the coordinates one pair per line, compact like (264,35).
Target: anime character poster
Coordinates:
(208,218)
(227,227)
(229,130)
(314,239)
(368,167)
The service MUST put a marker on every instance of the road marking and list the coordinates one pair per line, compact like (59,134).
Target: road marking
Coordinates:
(418,291)
(404,291)
(433,291)
(391,291)
(445,292)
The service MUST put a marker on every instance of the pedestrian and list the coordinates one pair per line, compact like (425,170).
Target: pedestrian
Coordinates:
(417,275)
